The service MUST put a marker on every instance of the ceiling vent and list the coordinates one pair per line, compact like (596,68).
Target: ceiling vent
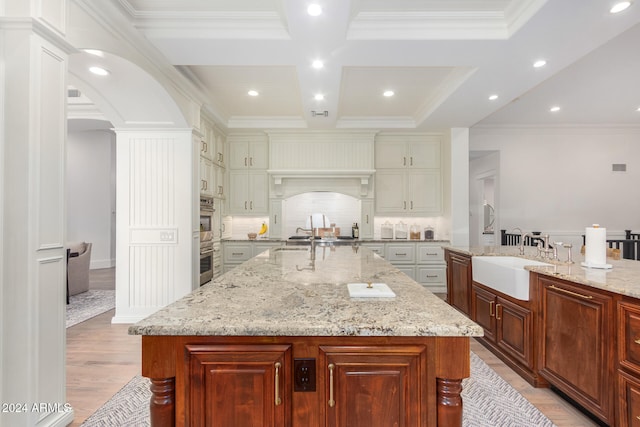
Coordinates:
(73,93)
(324,113)
(619,167)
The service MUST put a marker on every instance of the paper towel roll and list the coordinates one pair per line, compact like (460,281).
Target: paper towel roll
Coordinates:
(595,251)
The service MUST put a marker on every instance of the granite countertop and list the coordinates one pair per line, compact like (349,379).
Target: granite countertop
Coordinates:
(282,292)
(623,278)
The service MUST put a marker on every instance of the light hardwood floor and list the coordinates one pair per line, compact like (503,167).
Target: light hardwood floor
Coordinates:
(102,358)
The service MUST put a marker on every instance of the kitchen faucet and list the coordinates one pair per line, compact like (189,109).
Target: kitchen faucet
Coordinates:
(543,245)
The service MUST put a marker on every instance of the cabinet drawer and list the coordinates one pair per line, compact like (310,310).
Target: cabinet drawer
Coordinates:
(430,253)
(237,252)
(376,248)
(628,400)
(431,275)
(401,253)
(629,335)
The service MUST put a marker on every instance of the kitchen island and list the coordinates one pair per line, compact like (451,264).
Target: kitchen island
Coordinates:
(279,341)
(577,330)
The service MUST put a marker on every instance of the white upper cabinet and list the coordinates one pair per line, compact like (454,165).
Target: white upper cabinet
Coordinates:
(413,151)
(248,152)
(408,176)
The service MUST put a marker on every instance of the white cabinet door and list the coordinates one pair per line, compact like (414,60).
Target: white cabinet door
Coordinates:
(249,154)
(423,192)
(238,192)
(258,192)
(424,154)
(206,177)
(275,219)
(366,221)
(390,191)
(219,190)
(249,192)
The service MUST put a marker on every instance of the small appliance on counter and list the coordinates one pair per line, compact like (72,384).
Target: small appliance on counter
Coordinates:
(386,231)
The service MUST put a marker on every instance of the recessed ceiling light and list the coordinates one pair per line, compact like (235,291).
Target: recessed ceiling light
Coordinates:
(540,63)
(638,109)
(253,93)
(493,97)
(388,93)
(620,6)
(317,64)
(314,9)
(99,71)
(318,97)
(95,52)
(554,109)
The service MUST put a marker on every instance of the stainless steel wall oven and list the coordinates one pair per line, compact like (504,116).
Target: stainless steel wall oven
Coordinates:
(206,239)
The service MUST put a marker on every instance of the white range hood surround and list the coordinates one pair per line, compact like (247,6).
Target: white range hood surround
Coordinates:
(356,183)
(341,162)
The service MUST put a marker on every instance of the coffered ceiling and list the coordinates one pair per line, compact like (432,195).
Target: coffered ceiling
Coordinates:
(442,59)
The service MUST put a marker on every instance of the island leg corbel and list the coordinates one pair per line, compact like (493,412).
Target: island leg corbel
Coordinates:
(453,363)
(158,364)
(162,409)
(449,402)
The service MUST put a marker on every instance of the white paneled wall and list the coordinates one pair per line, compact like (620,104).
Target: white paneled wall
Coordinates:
(155,213)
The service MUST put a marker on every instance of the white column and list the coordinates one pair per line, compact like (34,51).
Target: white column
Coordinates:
(459,186)
(154,220)
(33,71)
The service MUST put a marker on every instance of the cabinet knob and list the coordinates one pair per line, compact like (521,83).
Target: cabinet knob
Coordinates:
(637,341)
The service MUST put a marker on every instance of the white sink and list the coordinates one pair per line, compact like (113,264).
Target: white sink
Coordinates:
(505,274)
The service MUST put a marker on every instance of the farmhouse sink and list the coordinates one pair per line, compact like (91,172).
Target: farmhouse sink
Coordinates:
(505,274)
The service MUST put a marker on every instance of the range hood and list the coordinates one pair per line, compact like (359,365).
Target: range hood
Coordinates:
(356,183)
(341,162)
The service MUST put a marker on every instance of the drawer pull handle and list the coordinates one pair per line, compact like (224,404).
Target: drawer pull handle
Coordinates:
(431,254)
(278,399)
(332,402)
(575,294)
(498,308)
(237,253)
(491,312)
(637,342)
(432,276)
(403,254)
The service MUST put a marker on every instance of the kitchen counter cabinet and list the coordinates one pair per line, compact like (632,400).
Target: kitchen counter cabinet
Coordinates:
(628,337)
(509,329)
(459,281)
(577,343)
(224,341)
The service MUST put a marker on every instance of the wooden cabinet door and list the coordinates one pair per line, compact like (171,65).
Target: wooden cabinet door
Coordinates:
(238,385)
(576,353)
(514,330)
(374,386)
(459,282)
(483,311)
(629,336)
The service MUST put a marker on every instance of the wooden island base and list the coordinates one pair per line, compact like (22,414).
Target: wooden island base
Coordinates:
(358,381)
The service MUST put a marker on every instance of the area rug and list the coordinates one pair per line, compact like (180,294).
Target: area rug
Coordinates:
(488,401)
(89,304)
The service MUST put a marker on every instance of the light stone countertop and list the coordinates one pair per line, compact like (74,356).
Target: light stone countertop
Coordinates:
(278,294)
(623,278)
